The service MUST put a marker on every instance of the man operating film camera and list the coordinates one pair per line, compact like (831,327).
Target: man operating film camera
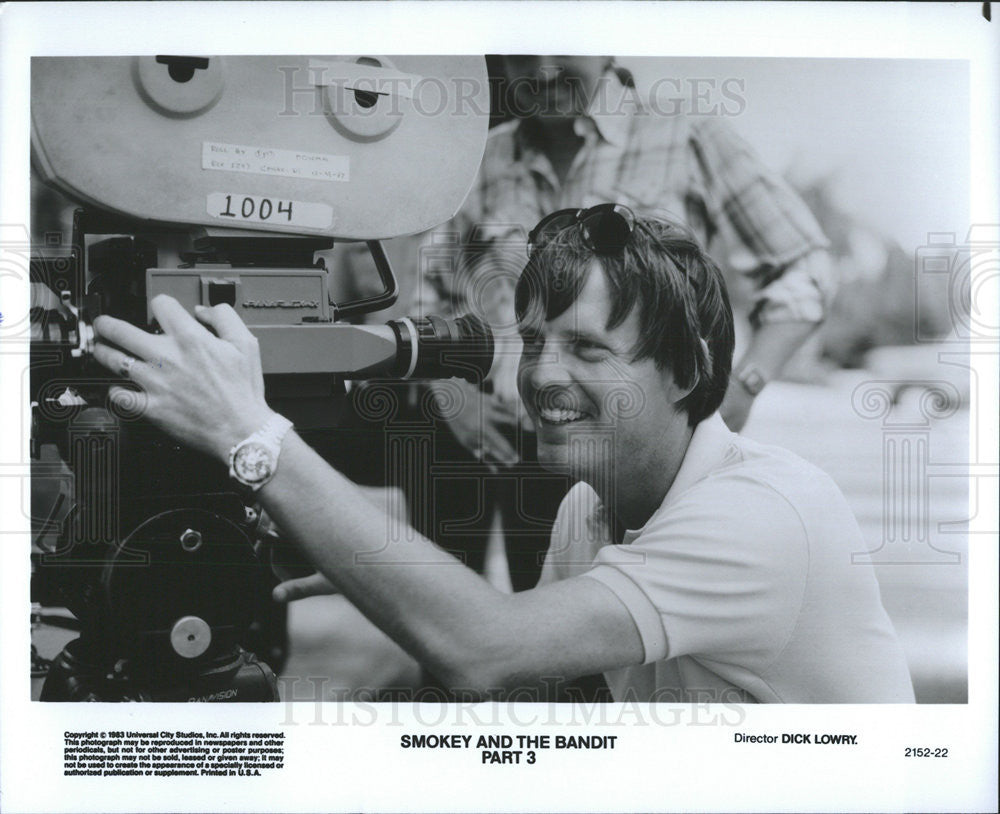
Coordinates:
(688,563)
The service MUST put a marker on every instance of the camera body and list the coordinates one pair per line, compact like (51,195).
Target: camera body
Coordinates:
(356,147)
(165,564)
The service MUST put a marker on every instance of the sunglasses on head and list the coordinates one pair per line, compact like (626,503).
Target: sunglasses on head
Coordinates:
(605,228)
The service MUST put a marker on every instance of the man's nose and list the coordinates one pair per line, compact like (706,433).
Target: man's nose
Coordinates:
(547,366)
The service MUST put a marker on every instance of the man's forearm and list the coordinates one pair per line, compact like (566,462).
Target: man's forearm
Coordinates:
(472,636)
(434,617)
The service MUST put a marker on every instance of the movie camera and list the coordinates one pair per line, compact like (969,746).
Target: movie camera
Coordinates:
(220,180)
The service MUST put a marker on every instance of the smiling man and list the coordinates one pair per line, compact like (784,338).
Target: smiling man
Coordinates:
(688,563)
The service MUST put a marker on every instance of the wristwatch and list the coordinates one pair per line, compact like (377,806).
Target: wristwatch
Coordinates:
(751,379)
(254,460)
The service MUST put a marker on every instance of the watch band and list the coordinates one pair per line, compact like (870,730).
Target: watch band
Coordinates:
(253,461)
(273,431)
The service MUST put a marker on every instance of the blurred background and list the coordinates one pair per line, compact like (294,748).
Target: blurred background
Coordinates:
(879,397)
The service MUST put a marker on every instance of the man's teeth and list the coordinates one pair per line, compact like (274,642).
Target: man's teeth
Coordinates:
(560,416)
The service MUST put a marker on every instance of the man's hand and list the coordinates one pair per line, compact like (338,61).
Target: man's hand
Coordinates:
(205,390)
(477,422)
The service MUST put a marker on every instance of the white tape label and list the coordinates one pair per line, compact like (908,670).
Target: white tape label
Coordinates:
(265,161)
(240,208)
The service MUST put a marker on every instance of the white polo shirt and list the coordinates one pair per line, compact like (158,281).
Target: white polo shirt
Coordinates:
(750,582)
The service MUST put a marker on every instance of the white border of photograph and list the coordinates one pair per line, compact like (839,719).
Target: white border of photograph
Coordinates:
(344,757)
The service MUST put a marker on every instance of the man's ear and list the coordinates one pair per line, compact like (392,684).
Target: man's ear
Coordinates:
(678,393)
(704,369)
(672,391)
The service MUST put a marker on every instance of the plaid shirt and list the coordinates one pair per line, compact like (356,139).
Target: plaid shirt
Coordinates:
(692,169)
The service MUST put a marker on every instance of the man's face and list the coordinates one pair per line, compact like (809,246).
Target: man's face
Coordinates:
(597,413)
(553,86)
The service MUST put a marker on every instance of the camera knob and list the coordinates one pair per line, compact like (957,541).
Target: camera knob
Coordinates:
(366,98)
(190,636)
(179,86)
(191,540)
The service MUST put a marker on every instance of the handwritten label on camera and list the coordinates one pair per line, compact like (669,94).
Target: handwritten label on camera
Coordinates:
(266,161)
(238,207)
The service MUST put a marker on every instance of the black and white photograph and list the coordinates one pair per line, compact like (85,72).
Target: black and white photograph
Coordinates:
(405,403)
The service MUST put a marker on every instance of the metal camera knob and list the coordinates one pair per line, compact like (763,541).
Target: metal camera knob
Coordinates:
(190,636)
(191,540)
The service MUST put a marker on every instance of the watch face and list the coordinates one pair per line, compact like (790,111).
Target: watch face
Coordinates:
(253,462)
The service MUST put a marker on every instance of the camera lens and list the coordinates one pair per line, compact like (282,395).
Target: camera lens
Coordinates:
(437,348)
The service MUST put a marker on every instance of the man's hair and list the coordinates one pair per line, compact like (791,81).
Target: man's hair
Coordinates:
(685,319)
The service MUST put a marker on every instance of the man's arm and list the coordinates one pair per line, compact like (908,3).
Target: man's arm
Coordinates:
(789,310)
(208,392)
(450,619)
(771,346)
(796,281)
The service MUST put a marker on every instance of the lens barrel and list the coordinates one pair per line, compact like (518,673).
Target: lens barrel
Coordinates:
(433,347)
